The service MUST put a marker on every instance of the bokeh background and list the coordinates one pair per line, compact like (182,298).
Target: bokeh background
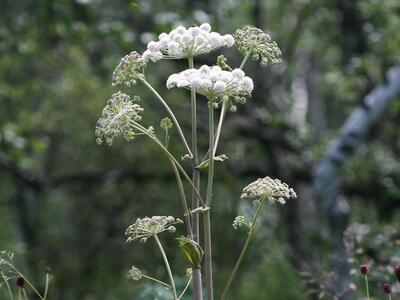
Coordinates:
(65,201)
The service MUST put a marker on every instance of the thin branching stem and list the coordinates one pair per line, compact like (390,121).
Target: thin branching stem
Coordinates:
(183,198)
(243,252)
(167,266)
(168,109)
(367,287)
(26,279)
(156,280)
(245,59)
(10,294)
(46,289)
(144,131)
(184,290)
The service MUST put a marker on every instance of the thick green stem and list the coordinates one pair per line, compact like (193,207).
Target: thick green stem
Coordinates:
(197,285)
(171,114)
(167,266)
(207,215)
(389,296)
(366,286)
(243,252)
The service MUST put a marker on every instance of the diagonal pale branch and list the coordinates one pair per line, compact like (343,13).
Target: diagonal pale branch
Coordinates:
(328,173)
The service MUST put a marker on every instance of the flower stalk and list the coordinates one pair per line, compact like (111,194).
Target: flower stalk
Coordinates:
(197,285)
(167,266)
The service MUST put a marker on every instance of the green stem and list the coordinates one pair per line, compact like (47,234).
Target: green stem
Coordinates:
(366,286)
(46,289)
(25,295)
(243,252)
(26,280)
(183,198)
(168,109)
(197,285)
(184,290)
(19,294)
(207,215)
(156,280)
(143,130)
(171,278)
(389,297)
(10,294)
(247,56)
(219,127)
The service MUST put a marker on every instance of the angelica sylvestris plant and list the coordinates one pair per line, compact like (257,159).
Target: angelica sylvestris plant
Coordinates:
(224,87)
(16,284)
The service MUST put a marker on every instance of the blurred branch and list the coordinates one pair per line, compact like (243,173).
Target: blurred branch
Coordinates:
(327,175)
(37,182)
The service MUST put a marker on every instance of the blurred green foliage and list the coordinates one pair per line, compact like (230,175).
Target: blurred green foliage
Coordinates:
(65,202)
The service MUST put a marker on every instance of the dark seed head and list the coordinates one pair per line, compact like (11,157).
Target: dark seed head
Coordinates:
(47,269)
(20,281)
(364,269)
(397,272)
(387,288)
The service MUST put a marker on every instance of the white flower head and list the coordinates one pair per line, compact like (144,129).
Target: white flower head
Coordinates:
(129,69)
(184,42)
(270,189)
(147,227)
(213,82)
(260,43)
(116,118)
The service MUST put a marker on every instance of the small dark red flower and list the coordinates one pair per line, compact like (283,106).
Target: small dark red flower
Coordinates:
(387,288)
(20,281)
(364,269)
(47,269)
(397,272)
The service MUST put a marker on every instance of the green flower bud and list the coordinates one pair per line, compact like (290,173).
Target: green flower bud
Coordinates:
(191,251)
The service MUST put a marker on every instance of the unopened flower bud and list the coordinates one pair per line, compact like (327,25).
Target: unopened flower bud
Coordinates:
(191,251)
(397,272)
(387,288)
(364,269)
(20,281)
(47,270)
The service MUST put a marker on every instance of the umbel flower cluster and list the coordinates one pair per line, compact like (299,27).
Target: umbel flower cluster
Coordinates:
(213,82)
(116,117)
(260,43)
(129,69)
(268,189)
(147,227)
(186,42)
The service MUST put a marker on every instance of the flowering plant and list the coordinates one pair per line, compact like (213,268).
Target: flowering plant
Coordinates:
(224,87)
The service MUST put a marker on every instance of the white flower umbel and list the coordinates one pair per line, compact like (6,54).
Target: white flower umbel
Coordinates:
(147,227)
(116,117)
(213,82)
(268,188)
(184,42)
